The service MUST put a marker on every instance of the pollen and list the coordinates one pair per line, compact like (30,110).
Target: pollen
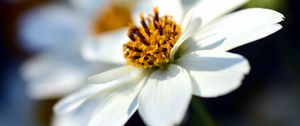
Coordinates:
(112,17)
(150,45)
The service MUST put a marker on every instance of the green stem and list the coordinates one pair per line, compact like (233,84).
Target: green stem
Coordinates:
(206,119)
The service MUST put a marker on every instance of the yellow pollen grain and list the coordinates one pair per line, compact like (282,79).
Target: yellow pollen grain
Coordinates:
(150,45)
(113,17)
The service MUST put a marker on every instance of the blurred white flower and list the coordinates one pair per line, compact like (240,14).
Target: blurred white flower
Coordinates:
(167,63)
(57,32)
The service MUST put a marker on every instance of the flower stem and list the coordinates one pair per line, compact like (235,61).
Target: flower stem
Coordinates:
(206,119)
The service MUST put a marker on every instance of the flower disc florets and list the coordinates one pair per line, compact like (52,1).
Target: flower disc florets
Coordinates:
(111,18)
(150,45)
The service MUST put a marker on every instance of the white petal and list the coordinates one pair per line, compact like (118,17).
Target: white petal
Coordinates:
(51,77)
(203,43)
(65,121)
(187,19)
(73,101)
(114,74)
(51,27)
(165,7)
(188,4)
(240,28)
(209,10)
(214,73)
(117,106)
(107,47)
(245,38)
(165,97)
(191,27)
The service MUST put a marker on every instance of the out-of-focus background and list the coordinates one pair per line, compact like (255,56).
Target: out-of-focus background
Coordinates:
(269,95)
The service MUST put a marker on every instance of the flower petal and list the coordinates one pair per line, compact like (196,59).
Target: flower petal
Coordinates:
(107,47)
(65,121)
(109,104)
(188,4)
(115,74)
(236,29)
(73,101)
(146,6)
(209,10)
(191,26)
(117,106)
(165,97)
(50,76)
(187,19)
(51,27)
(214,73)
(245,38)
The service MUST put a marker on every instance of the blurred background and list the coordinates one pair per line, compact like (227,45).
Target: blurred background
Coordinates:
(269,95)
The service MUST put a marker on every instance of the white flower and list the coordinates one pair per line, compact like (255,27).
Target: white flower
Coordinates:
(160,79)
(55,32)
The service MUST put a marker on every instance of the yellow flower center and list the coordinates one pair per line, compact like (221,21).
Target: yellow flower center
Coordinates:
(150,45)
(113,17)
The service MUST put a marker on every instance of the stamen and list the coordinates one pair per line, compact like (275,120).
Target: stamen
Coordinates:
(144,24)
(150,45)
(131,36)
(156,17)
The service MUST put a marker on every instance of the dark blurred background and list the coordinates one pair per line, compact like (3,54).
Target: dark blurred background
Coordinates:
(269,95)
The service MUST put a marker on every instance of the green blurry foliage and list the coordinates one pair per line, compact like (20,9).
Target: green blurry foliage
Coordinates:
(279,5)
